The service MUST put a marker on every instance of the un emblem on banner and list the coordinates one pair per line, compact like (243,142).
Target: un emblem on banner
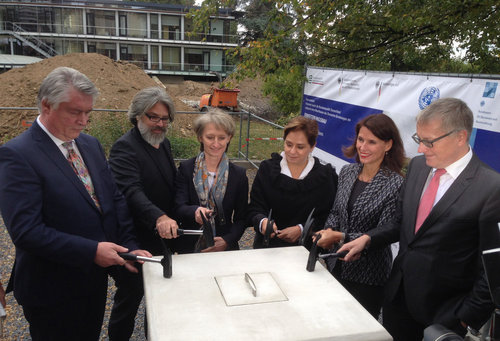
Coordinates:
(427,96)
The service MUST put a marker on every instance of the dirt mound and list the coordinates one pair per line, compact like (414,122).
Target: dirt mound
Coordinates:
(252,100)
(117,82)
(250,97)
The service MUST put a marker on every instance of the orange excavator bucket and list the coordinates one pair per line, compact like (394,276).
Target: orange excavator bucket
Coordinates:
(205,101)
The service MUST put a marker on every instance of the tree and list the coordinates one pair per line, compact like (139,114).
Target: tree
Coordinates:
(255,20)
(395,35)
(172,2)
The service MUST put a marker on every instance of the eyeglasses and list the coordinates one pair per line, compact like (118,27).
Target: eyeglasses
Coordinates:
(156,119)
(430,144)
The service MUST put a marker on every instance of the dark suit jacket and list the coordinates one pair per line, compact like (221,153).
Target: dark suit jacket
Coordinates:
(52,220)
(440,266)
(147,185)
(235,205)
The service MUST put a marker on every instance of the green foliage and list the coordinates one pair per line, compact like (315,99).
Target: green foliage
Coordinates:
(184,147)
(283,120)
(108,127)
(283,87)
(172,2)
(209,8)
(227,84)
(418,36)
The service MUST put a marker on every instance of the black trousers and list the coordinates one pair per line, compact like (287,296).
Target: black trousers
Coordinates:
(400,323)
(79,320)
(128,296)
(370,296)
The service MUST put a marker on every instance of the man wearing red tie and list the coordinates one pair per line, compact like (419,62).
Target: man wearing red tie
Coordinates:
(450,201)
(64,214)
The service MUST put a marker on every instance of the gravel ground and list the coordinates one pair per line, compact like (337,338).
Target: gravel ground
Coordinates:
(16,326)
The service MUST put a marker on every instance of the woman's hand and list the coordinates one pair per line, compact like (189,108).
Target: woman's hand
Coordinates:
(328,238)
(290,234)
(197,214)
(219,245)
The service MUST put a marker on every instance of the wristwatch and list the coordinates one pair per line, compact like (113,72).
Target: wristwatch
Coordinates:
(473,331)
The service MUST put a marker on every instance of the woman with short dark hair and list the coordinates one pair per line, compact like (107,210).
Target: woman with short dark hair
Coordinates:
(292,184)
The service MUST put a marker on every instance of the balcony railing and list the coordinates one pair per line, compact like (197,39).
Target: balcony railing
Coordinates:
(189,67)
(111,31)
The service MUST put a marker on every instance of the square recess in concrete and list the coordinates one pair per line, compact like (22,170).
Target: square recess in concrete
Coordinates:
(237,290)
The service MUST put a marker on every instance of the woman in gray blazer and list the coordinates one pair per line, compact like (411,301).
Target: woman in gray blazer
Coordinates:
(366,198)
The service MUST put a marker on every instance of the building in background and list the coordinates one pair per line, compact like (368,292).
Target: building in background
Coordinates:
(157,37)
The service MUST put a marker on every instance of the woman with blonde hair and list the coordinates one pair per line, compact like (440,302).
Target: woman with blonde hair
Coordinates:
(211,185)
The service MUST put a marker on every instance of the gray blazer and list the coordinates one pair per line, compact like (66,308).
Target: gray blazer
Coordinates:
(373,207)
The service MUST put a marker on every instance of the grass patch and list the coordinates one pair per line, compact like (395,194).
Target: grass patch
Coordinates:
(107,127)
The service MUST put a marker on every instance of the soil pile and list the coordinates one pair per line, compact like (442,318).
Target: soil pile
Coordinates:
(117,82)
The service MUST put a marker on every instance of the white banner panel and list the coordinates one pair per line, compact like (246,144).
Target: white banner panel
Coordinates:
(338,99)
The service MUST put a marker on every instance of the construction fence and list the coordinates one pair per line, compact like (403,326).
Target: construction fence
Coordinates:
(255,138)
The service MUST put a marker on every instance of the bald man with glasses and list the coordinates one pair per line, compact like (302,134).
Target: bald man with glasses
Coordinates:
(447,210)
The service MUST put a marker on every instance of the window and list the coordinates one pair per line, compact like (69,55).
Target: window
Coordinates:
(170,27)
(123,24)
(135,54)
(101,23)
(154,26)
(106,49)
(154,57)
(171,58)
(90,23)
(133,25)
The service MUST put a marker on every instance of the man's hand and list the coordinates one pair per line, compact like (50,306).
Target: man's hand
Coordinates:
(219,245)
(328,238)
(166,227)
(290,234)
(107,254)
(197,214)
(263,227)
(355,247)
(130,265)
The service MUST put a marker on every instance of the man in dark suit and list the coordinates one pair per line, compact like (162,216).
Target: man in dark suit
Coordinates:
(64,213)
(441,226)
(144,170)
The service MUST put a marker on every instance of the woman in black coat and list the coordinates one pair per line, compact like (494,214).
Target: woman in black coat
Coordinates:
(208,179)
(292,184)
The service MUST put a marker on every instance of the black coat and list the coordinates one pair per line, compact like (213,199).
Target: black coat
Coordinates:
(147,185)
(291,200)
(235,206)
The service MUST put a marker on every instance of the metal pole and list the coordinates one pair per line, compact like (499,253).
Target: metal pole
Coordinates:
(241,131)
(248,134)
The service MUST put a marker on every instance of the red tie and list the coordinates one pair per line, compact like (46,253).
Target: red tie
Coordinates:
(427,200)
